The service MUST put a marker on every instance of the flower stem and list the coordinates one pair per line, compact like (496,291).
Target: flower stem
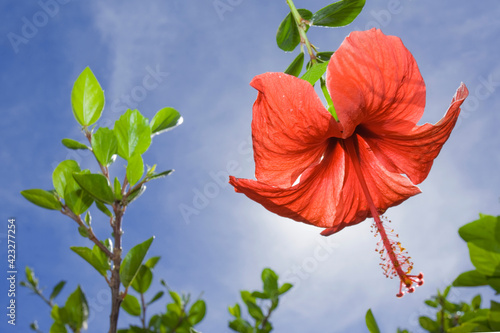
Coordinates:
(301,26)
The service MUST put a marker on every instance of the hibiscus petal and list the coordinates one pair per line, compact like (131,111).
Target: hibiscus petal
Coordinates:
(329,194)
(290,128)
(412,153)
(374,80)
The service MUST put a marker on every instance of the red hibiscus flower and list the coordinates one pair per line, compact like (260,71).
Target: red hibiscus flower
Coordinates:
(332,174)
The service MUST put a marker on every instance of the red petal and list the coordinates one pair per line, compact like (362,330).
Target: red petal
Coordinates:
(329,194)
(412,153)
(374,80)
(290,128)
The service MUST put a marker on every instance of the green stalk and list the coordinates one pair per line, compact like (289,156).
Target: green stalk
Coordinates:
(301,26)
(328,98)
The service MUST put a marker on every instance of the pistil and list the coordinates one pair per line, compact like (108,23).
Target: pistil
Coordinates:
(396,261)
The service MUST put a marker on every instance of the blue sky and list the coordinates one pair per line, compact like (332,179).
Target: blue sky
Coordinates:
(203,61)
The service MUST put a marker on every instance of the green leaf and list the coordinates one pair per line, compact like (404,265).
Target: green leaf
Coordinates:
(485,256)
(132,262)
(338,14)
(494,283)
(135,169)
(75,198)
(261,295)
(284,288)
(470,279)
(431,303)
(96,257)
(57,289)
(428,324)
(151,262)
(42,198)
(117,188)
(96,185)
(485,228)
(197,312)
(253,309)
(156,297)
(324,56)
(463,328)
(135,194)
(104,145)
(270,280)
(142,280)
(102,207)
(160,175)
(235,311)
(83,231)
(165,120)
(77,310)
(87,98)
(287,36)
(133,134)
(315,72)
(131,305)
(494,316)
(175,296)
(58,327)
(476,302)
(296,66)
(241,325)
(371,323)
(73,144)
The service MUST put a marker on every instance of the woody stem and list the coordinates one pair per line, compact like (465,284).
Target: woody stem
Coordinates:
(351,145)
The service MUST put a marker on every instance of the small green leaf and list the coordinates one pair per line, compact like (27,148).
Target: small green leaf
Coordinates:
(287,36)
(296,66)
(314,73)
(431,303)
(133,134)
(104,145)
(371,323)
(235,311)
(58,327)
(197,312)
(156,297)
(132,262)
(338,14)
(470,279)
(88,219)
(87,98)
(253,309)
(324,56)
(77,310)
(428,324)
(95,257)
(57,289)
(151,262)
(135,194)
(73,144)
(102,207)
(241,325)
(117,188)
(131,305)
(142,280)
(160,175)
(476,302)
(494,316)
(261,295)
(96,185)
(42,198)
(165,120)
(485,256)
(175,296)
(83,231)
(135,169)
(30,276)
(284,288)
(270,280)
